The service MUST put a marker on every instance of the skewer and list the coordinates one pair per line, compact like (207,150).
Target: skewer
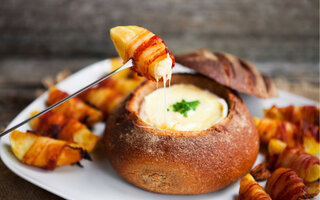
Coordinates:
(125,66)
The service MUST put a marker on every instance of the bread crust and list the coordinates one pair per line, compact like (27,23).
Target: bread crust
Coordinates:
(230,71)
(177,162)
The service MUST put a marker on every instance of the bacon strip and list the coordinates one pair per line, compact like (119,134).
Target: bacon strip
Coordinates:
(251,190)
(58,126)
(286,184)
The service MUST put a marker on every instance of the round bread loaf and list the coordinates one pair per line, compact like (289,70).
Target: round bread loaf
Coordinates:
(181,162)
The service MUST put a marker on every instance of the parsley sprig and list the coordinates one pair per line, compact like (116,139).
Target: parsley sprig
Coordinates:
(184,107)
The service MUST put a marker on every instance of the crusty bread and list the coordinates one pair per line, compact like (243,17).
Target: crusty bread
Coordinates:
(230,71)
(181,162)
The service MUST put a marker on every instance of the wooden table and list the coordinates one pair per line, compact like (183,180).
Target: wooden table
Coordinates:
(20,79)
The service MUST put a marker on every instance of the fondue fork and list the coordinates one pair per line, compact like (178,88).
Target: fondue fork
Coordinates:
(127,65)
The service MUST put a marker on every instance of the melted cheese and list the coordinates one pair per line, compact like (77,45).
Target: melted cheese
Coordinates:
(163,69)
(210,111)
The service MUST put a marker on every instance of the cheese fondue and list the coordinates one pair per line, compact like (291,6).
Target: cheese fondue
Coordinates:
(210,109)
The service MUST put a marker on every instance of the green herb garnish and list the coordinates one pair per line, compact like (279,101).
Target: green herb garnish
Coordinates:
(184,107)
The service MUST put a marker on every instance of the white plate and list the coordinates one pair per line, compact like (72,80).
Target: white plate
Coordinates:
(97,180)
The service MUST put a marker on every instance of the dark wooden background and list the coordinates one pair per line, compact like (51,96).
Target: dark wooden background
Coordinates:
(40,38)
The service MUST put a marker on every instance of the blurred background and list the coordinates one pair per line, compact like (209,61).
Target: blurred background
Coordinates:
(39,39)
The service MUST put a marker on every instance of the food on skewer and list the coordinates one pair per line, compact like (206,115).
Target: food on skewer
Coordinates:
(151,57)
(251,190)
(45,152)
(58,126)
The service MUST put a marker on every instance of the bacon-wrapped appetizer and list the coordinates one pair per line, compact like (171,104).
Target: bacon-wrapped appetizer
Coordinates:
(251,190)
(45,152)
(294,114)
(105,98)
(74,108)
(58,126)
(305,165)
(151,57)
(285,184)
(302,135)
(281,155)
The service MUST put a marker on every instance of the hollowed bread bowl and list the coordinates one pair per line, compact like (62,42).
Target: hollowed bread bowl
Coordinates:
(181,162)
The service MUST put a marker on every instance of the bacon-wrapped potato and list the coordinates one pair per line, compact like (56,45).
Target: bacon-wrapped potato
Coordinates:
(251,190)
(45,152)
(294,114)
(151,57)
(305,165)
(58,126)
(302,135)
(74,108)
(105,98)
(285,184)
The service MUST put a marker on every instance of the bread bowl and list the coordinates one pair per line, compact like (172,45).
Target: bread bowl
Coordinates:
(181,162)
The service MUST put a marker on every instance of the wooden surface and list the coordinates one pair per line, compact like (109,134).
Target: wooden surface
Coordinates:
(258,30)
(40,38)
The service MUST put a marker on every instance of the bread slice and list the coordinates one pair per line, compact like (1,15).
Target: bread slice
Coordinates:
(230,71)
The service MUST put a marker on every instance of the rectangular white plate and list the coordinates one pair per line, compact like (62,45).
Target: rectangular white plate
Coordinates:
(97,180)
